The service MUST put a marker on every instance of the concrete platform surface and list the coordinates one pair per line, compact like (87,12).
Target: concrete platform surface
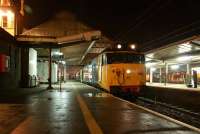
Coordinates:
(188,99)
(81,109)
(173,86)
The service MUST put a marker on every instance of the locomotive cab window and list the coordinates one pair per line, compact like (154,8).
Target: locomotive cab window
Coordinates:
(125,58)
(104,59)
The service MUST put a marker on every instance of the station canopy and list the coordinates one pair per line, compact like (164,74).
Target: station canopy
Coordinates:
(77,42)
(184,51)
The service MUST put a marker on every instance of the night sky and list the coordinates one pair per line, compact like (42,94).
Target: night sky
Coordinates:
(139,21)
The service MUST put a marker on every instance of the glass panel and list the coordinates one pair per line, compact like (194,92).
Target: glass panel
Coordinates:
(5,2)
(5,21)
(125,58)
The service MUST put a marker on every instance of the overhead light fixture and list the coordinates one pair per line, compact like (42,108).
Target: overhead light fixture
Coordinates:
(185,47)
(119,46)
(153,69)
(183,50)
(174,67)
(147,59)
(187,44)
(151,55)
(150,64)
(132,46)
(184,58)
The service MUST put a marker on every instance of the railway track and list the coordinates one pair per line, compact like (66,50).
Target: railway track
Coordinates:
(180,114)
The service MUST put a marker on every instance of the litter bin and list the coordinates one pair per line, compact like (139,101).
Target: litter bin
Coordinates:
(194,78)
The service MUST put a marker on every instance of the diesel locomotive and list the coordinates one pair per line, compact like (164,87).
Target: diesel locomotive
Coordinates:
(118,71)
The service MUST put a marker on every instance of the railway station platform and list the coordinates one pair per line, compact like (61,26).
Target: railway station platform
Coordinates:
(173,86)
(174,95)
(82,109)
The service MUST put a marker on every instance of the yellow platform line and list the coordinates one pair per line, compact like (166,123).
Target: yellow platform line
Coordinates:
(20,129)
(89,119)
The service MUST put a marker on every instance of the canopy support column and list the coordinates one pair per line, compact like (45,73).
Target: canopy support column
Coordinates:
(50,70)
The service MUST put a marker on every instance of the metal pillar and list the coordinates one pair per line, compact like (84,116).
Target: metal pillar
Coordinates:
(151,75)
(60,79)
(166,73)
(64,72)
(188,69)
(160,74)
(24,67)
(50,70)
(188,75)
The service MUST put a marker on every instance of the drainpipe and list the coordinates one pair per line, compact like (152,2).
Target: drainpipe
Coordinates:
(50,70)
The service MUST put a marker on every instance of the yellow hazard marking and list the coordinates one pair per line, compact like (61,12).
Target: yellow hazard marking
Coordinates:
(89,119)
(20,129)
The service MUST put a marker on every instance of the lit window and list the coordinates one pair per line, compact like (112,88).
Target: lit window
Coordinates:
(5,21)
(5,3)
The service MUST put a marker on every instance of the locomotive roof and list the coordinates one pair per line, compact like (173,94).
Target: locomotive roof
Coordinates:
(121,51)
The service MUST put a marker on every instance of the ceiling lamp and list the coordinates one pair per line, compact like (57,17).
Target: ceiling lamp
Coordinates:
(132,46)
(184,58)
(119,46)
(174,67)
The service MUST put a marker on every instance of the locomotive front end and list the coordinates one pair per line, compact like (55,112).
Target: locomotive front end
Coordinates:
(126,73)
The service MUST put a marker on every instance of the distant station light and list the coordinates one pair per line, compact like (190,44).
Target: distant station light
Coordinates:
(62,62)
(119,46)
(150,64)
(57,53)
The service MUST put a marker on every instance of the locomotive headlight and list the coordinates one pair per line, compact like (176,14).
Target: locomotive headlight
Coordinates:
(132,46)
(128,71)
(119,46)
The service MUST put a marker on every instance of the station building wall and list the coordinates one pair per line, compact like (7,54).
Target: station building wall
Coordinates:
(9,61)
